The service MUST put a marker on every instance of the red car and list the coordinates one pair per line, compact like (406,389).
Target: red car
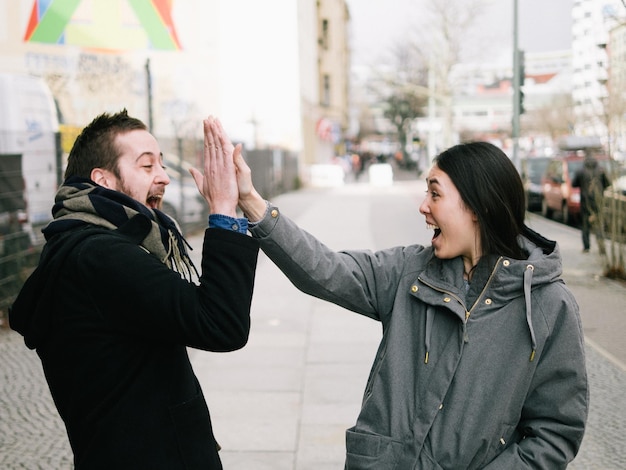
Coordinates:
(559,197)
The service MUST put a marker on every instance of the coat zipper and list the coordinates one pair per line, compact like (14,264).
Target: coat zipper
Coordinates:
(480,296)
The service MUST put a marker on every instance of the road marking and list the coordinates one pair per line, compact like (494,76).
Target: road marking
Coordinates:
(606,354)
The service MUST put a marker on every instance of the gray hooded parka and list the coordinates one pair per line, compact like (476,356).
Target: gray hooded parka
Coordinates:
(492,378)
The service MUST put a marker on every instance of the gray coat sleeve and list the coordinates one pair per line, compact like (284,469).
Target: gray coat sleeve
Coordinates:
(356,280)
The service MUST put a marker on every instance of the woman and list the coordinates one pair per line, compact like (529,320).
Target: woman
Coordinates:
(481,364)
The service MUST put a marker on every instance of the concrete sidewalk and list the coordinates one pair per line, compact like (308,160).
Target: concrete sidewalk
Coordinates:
(284,401)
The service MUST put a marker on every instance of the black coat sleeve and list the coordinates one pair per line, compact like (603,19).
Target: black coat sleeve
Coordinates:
(136,293)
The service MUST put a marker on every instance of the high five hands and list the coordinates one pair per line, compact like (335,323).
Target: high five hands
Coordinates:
(227,178)
(218,183)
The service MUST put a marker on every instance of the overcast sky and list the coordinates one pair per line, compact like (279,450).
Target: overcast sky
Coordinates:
(544,25)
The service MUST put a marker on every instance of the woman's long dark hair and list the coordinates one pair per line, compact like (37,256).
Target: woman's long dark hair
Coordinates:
(489,185)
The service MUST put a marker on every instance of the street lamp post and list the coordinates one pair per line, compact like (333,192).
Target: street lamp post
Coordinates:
(516,90)
(149,94)
(432,148)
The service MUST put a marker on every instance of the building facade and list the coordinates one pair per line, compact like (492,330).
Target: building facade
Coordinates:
(592,21)
(276,72)
(616,89)
(483,102)
(326,80)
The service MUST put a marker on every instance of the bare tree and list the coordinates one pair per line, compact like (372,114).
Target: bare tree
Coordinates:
(421,66)
(442,44)
(396,92)
(613,214)
(555,118)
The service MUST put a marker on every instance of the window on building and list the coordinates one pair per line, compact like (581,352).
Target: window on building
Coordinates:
(325,94)
(324,34)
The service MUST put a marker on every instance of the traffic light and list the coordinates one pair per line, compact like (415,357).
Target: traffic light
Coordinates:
(521,74)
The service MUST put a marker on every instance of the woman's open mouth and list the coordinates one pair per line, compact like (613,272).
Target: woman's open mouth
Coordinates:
(435,228)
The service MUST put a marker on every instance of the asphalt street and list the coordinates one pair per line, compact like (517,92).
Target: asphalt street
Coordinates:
(284,401)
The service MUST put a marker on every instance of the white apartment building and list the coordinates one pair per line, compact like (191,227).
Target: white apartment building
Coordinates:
(617,90)
(592,21)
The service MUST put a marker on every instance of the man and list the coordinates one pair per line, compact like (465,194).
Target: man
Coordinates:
(111,308)
(592,181)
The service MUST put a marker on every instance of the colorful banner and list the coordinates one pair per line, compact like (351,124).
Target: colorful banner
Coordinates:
(114,25)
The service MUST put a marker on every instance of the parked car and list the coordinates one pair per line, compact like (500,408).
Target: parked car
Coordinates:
(532,169)
(182,200)
(559,197)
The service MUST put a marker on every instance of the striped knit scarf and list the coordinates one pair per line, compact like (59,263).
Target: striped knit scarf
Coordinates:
(81,202)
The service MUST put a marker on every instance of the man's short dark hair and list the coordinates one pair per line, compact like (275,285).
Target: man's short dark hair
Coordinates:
(95,145)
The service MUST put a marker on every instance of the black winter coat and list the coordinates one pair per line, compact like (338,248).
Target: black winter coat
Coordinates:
(111,324)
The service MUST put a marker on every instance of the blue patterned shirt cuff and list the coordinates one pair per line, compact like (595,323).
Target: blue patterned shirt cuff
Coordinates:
(228,223)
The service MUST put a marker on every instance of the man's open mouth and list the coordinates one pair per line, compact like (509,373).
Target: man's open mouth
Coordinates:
(154,201)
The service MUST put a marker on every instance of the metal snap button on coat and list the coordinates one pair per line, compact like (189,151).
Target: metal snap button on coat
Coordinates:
(274,213)
(414,288)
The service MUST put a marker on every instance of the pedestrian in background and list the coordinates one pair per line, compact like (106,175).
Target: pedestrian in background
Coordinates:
(592,181)
(113,306)
(481,363)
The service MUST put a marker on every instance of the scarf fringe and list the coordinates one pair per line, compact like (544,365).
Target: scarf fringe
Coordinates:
(178,260)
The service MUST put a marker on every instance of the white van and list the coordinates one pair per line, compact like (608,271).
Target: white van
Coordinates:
(29,131)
